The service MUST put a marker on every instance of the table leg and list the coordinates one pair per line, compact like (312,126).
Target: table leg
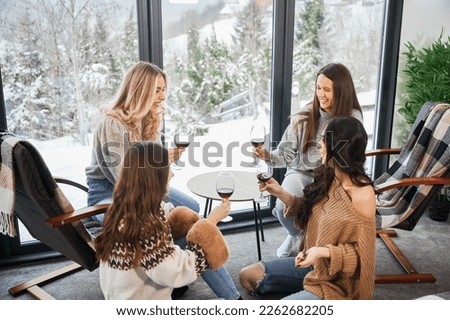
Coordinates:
(255,214)
(260,223)
(208,204)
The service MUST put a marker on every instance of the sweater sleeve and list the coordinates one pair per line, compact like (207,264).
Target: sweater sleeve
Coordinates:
(206,237)
(176,270)
(110,144)
(286,150)
(343,258)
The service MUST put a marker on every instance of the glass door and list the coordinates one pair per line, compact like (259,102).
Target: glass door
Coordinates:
(60,62)
(217,55)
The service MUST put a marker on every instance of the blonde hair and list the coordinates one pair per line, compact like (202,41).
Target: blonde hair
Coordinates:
(133,103)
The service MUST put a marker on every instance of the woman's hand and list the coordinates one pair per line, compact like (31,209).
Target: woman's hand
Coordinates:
(220,212)
(262,153)
(175,153)
(306,258)
(271,186)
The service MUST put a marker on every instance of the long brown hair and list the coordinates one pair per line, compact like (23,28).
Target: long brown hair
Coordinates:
(135,214)
(345,140)
(344,96)
(136,95)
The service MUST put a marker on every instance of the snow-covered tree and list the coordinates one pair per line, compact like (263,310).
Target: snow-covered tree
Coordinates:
(77,49)
(252,50)
(307,56)
(203,81)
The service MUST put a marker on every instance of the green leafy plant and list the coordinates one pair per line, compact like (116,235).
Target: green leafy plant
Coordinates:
(427,77)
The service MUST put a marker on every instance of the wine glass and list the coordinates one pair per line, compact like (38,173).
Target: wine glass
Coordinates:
(257,138)
(263,176)
(225,188)
(182,139)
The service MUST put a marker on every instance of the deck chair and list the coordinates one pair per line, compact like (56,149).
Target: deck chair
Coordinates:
(411,183)
(47,214)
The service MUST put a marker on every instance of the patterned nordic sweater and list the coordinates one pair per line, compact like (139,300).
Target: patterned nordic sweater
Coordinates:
(335,223)
(164,265)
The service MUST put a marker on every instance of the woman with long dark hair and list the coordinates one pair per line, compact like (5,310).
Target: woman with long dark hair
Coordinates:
(136,249)
(336,258)
(334,96)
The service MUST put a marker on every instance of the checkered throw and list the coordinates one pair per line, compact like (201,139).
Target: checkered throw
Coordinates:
(426,154)
(7,182)
(7,185)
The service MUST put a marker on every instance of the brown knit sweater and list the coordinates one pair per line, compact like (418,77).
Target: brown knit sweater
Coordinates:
(335,223)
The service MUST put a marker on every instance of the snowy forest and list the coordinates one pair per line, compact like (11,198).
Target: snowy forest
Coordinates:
(61,60)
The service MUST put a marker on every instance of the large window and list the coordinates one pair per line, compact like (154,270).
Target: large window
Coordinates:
(218,58)
(61,61)
(230,64)
(347,32)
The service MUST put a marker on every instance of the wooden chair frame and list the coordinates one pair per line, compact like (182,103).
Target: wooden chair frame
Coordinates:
(33,286)
(38,204)
(410,275)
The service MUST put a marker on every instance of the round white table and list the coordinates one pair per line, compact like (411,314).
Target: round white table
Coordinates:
(245,189)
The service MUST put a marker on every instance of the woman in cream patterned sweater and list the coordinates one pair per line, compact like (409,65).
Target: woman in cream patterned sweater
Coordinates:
(137,254)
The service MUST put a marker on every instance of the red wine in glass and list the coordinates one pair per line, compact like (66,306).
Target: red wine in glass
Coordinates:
(257,142)
(225,193)
(182,139)
(182,144)
(257,138)
(225,188)
(264,176)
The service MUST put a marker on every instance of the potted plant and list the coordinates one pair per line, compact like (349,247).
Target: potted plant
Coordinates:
(427,78)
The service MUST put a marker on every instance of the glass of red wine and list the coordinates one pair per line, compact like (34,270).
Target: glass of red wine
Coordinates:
(225,188)
(182,139)
(263,176)
(257,138)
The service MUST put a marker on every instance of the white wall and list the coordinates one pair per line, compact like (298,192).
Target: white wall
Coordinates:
(423,21)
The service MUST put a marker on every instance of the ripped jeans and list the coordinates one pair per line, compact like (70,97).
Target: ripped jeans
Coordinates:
(282,276)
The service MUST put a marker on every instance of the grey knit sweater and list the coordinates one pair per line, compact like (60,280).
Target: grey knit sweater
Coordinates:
(289,152)
(111,141)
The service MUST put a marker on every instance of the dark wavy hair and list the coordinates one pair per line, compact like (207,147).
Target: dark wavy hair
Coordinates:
(345,140)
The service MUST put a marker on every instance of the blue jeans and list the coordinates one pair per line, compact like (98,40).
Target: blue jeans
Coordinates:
(294,182)
(282,276)
(101,190)
(218,280)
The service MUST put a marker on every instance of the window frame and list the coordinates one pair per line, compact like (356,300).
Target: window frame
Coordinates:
(149,19)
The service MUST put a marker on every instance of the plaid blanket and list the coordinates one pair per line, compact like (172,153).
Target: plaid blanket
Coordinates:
(426,154)
(7,185)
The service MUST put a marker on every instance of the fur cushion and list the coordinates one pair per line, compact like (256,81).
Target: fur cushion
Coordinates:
(211,240)
(181,219)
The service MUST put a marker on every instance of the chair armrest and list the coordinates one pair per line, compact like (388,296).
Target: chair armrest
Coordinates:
(71,183)
(69,217)
(382,152)
(394,184)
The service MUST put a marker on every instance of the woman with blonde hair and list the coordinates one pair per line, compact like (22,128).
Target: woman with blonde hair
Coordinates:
(136,116)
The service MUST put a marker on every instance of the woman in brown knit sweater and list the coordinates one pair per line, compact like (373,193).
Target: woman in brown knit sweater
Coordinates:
(337,213)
